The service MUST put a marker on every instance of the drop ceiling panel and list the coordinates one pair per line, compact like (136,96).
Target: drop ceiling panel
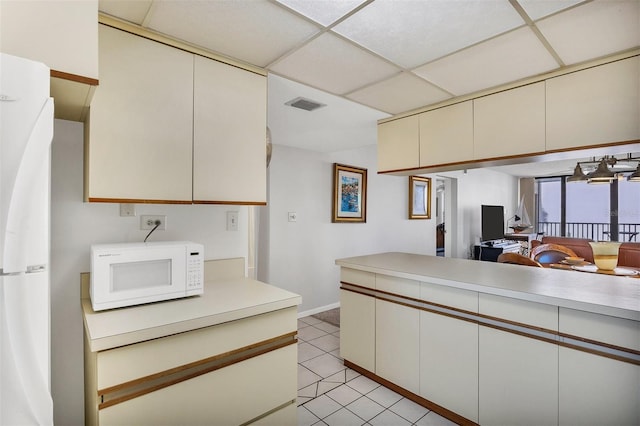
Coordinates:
(509,57)
(255,31)
(537,9)
(593,30)
(411,33)
(324,12)
(130,10)
(399,94)
(332,64)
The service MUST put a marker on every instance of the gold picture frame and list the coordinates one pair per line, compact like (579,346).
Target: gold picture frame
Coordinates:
(349,194)
(419,197)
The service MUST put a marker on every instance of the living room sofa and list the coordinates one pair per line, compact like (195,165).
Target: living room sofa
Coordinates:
(628,255)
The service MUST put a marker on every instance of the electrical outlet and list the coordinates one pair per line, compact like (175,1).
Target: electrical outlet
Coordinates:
(148,221)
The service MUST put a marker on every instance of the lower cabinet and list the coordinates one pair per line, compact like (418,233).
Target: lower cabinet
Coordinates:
(217,398)
(357,329)
(518,380)
(233,373)
(595,390)
(449,363)
(398,327)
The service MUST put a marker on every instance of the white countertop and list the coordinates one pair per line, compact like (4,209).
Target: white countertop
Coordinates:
(598,293)
(222,301)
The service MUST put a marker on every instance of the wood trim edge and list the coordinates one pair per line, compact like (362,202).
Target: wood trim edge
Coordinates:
(73,77)
(123,392)
(412,396)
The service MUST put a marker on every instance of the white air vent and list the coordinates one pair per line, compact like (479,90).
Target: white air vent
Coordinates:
(304,103)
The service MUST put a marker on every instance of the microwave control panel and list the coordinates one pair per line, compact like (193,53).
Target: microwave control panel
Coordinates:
(195,269)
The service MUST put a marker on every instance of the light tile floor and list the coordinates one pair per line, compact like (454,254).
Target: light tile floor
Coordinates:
(331,394)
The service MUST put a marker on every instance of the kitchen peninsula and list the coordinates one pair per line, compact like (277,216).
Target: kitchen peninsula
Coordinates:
(488,343)
(228,356)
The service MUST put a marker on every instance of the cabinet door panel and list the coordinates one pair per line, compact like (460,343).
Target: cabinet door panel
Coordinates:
(229,134)
(449,363)
(398,144)
(518,379)
(595,390)
(596,106)
(509,123)
(140,137)
(398,344)
(232,395)
(357,329)
(446,135)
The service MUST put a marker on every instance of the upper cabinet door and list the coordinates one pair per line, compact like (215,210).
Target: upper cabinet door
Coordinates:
(596,106)
(398,144)
(446,135)
(140,140)
(229,131)
(510,123)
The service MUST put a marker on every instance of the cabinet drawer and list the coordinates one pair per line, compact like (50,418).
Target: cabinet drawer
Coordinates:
(230,396)
(449,296)
(361,278)
(529,313)
(127,363)
(401,286)
(602,328)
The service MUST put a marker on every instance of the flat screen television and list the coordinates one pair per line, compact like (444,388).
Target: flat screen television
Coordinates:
(492,223)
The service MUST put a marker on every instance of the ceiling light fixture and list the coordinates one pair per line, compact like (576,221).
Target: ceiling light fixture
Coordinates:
(635,176)
(578,175)
(605,170)
(602,174)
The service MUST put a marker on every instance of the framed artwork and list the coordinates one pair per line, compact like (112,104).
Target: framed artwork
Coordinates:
(419,197)
(349,194)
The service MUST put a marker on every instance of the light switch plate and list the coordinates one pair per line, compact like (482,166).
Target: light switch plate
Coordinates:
(293,217)
(232,221)
(127,209)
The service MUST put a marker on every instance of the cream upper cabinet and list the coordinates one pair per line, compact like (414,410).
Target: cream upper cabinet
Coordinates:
(446,135)
(398,144)
(599,105)
(140,131)
(510,122)
(229,134)
(168,126)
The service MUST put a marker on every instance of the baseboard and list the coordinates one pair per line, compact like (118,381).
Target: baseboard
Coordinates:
(318,310)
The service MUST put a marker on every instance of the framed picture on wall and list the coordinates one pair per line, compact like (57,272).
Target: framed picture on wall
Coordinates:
(349,194)
(419,197)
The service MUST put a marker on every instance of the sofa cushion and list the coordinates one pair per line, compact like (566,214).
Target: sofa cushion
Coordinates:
(629,255)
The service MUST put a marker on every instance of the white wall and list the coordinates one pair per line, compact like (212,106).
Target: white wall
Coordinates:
(76,225)
(300,256)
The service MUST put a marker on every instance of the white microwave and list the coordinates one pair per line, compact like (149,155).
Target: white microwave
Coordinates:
(128,274)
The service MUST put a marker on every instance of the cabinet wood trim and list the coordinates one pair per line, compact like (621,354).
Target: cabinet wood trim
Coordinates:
(73,77)
(232,203)
(594,347)
(136,201)
(125,391)
(458,419)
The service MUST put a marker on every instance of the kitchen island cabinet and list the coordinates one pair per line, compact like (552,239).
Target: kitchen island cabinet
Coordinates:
(227,357)
(520,345)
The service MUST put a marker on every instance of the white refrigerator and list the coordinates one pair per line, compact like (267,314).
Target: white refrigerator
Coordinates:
(26,131)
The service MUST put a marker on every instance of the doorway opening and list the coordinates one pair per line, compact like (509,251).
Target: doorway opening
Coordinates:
(440,220)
